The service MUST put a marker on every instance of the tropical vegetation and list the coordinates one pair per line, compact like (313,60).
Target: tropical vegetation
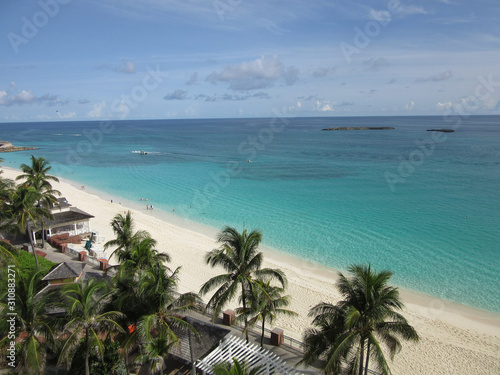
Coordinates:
(350,336)
(238,255)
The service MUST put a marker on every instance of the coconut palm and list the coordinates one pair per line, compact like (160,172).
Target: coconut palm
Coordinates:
(154,352)
(8,253)
(236,368)
(351,333)
(142,255)
(36,174)
(166,307)
(37,177)
(238,255)
(86,316)
(150,302)
(25,212)
(266,302)
(6,191)
(33,325)
(123,227)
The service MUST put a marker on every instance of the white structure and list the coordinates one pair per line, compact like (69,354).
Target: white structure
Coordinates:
(67,219)
(254,356)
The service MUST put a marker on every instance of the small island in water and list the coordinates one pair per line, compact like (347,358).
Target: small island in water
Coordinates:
(441,130)
(9,147)
(361,128)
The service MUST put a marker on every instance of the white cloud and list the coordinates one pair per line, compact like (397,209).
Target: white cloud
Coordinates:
(375,64)
(98,110)
(444,76)
(26,97)
(176,95)
(66,115)
(325,106)
(322,72)
(409,10)
(128,67)
(192,79)
(409,106)
(444,106)
(258,74)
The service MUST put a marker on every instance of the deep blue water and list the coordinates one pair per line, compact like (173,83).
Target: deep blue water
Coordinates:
(422,204)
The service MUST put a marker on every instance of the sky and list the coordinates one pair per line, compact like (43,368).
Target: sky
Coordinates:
(168,59)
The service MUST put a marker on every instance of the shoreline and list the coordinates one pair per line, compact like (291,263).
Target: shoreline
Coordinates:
(450,326)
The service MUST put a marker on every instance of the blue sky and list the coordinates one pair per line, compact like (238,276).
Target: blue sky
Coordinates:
(130,59)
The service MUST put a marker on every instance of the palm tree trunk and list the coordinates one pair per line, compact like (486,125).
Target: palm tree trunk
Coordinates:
(28,232)
(367,357)
(244,309)
(362,353)
(262,337)
(43,234)
(87,352)
(43,228)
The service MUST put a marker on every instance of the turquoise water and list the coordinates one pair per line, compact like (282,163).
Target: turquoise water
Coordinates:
(334,198)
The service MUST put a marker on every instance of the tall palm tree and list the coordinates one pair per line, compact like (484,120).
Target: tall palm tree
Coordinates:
(123,227)
(37,177)
(25,212)
(36,174)
(86,315)
(347,335)
(142,255)
(266,302)
(6,191)
(238,255)
(150,302)
(32,323)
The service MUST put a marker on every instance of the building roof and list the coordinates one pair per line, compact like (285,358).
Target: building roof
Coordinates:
(65,271)
(67,217)
(209,337)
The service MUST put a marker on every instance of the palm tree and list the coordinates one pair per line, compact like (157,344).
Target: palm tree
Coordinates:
(32,323)
(154,352)
(267,301)
(347,335)
(86,302)
(37,177)
(123,227)
(151,304)
(36,174)
(6,191)
(25,212)
(142,255)
(238,255)
(236,368)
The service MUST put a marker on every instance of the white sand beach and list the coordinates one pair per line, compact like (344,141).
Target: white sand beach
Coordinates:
(455,339)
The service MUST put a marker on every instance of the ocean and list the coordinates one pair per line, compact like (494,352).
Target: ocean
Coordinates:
(422,204)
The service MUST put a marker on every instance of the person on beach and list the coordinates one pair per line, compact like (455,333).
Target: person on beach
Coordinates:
(147,207)
(151,206)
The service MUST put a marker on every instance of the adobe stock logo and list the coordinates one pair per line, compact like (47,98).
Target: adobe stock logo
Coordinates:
(39,19)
